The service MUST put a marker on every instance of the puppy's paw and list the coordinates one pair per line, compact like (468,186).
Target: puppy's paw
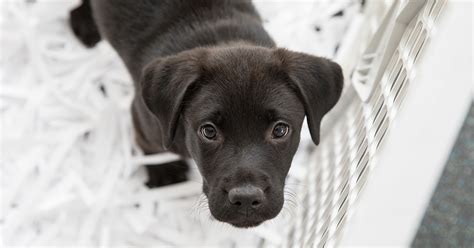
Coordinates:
(166,174)
(83,26)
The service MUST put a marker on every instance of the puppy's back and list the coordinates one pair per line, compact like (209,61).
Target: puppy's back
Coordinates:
(141,30)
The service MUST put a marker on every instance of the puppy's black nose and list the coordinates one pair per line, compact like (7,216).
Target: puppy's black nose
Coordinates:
(246,196)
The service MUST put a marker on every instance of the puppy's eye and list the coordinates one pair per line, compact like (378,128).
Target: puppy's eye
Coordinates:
(280,130)
(209,131)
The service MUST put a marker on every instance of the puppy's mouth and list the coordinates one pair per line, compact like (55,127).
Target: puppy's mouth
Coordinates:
(245,223)
(244,220)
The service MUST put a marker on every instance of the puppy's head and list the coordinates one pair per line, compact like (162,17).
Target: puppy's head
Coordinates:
(242,110)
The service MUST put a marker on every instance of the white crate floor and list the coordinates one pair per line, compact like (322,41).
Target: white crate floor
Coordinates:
(69,176)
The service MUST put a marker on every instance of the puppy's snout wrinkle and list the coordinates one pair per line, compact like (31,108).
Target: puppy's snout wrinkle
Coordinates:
(246,197)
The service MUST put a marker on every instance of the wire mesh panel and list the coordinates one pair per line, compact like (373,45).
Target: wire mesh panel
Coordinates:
(341,165)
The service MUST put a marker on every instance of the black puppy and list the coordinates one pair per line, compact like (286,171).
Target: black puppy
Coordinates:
(211,85)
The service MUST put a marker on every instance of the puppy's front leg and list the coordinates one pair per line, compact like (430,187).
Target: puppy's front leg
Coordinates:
(166,174)
(145,128)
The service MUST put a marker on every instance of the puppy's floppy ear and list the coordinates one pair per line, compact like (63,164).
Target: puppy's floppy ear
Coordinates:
(165,83)
(317,81)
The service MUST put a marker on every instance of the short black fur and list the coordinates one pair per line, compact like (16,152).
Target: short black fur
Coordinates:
(210,63)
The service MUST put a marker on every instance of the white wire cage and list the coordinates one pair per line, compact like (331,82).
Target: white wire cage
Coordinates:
(51,193)
(378,83)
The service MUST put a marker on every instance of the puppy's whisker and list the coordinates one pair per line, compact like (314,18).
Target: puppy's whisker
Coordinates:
(289,209)
(293,202)
(200,205)
(290,194)
(289,189)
